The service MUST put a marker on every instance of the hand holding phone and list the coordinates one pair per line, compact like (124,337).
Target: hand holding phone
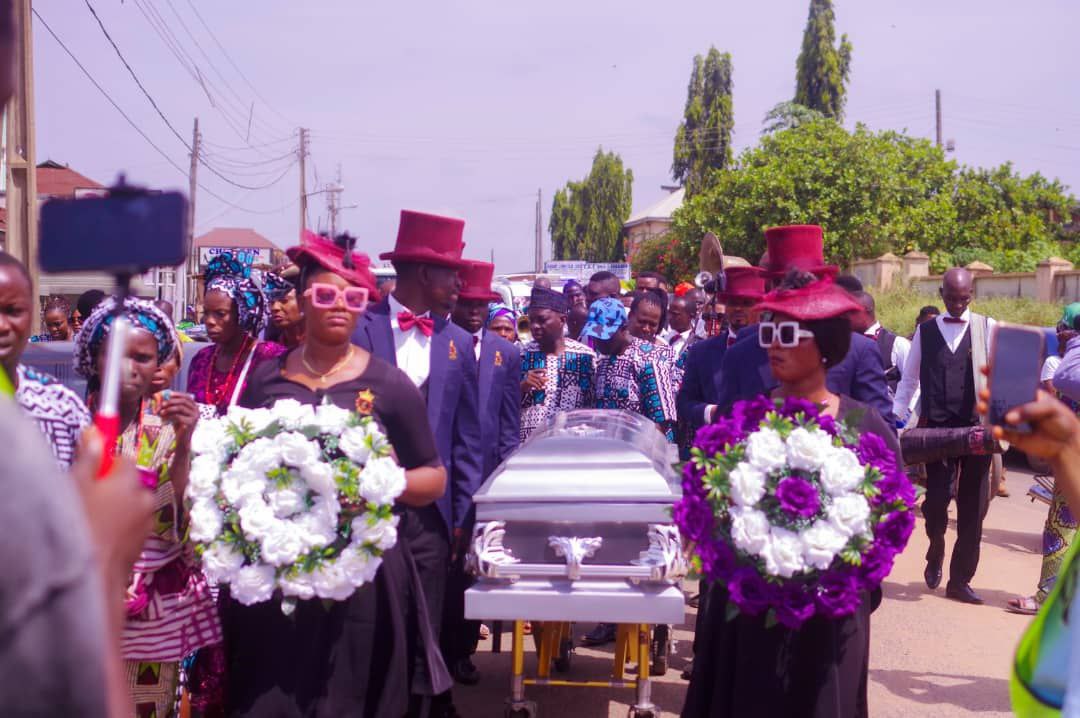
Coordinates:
(1016,359)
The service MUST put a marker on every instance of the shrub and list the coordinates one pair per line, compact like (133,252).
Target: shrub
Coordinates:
(898,308)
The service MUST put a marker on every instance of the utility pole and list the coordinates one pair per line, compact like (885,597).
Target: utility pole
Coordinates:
(937,113)
(21,200)
(191,284)
(539,234)
(303,183)
(333,201)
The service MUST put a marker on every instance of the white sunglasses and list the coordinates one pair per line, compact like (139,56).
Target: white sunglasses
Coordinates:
(786,334)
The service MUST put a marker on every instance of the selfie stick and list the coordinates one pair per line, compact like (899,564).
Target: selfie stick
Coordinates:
(107,420)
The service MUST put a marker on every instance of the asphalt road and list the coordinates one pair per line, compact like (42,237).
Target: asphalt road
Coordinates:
(929,655)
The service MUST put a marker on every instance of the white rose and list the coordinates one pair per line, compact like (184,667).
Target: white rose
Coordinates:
(253,584)
(292,414)
(241,485)
(206,520)
(262,455)
(783,554)
(382,533)
(318,527)
(749,529)
(319,476)
(808,450)
(254,420)
(331,419)
(354,443)
(359,566)
(747,485)
(203,477)
(299,585)
(286,502)
(821,543)
(295,449)
(220,561)
(382,481)
(210,439)
(841,471)
(257,520)
(282,546)
(849,514)
(765,450)
(331,582)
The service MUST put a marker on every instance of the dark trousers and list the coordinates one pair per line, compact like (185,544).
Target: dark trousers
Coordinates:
(971,474)
(429,543)
(459,636)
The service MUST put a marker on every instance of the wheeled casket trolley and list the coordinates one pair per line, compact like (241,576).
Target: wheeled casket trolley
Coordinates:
(576,526)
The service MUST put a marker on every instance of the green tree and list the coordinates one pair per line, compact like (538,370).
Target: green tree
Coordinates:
(703,140)
(822,70)
(662,254)
(587,216)
(787,115)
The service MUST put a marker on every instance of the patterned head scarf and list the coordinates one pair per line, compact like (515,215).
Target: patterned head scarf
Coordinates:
(542,298)
(1070,316)
(606,317)
(276,287)
(95,330)
(496,310)
(227,275)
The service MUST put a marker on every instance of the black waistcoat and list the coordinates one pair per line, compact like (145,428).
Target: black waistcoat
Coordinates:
(948,385)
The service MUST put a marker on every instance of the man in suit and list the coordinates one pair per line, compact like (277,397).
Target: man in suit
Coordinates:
(699,394)
(745,366)
(499,366)
(680,333)
(408,330)
(944,363)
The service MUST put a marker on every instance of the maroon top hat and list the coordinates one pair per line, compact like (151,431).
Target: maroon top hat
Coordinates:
(743,283)
(428,239)
(820,300)
(796,246)
(476,281)
(318,250)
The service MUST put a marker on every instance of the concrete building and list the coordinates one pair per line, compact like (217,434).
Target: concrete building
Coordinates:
(653,221)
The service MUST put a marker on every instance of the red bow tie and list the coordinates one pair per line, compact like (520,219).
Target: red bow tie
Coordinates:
(407,320)
(954,320)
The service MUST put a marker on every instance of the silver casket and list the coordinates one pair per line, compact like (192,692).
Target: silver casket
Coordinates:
(576,526)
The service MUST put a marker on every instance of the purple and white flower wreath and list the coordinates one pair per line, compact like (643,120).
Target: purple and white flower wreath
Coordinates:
(793,512)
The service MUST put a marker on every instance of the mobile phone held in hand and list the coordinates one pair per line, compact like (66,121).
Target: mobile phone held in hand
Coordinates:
(1015,362)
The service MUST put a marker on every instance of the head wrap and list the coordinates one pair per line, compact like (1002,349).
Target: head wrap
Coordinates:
(606,317)
(227,275)
(571,284)
(547,299)
(496,310)
(276,287)
(95,330)
(1070,316)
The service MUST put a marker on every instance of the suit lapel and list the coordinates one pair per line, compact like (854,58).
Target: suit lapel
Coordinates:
(487,370)
(440,358)
(380,334)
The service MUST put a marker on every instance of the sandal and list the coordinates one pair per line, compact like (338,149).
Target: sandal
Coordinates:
(1024,605)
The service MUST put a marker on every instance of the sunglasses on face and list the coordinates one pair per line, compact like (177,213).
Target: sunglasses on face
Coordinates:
(326,296)
(786,334)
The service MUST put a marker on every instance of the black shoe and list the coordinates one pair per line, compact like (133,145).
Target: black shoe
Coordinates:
(688,671)
(465,672)
(962,592)
(603,633)
(932,574)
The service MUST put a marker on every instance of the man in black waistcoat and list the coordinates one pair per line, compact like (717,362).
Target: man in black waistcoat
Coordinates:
(945,355)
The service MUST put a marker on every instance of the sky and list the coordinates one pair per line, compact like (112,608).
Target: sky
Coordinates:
(469,107)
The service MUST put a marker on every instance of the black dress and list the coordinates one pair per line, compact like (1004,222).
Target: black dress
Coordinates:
(741,668)
(355,657)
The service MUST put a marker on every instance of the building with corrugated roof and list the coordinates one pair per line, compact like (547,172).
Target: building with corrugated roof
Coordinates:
(653,221)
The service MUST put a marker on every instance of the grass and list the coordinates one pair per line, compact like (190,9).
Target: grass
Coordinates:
(897,309)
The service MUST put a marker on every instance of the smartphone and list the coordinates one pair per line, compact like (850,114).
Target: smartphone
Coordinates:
(126,232)
(1015,363)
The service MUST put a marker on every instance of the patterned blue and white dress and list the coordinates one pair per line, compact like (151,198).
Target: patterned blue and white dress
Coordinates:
(643,379)
(59,412)
(568,385)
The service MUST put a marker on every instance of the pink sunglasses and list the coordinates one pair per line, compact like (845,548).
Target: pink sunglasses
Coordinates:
(326,296)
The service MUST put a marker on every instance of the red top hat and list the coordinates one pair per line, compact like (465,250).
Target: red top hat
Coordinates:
(318,250)
(796,246)
(820,300)
(476,281)
(428,239)
(743,283)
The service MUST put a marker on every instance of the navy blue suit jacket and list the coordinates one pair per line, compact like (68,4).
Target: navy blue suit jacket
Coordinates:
(702,383)
(861,374)
(451,403)
(500,400)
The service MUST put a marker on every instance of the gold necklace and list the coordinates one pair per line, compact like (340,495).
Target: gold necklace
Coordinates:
(322,376)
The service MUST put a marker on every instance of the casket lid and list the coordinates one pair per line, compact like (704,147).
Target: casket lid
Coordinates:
(586,455)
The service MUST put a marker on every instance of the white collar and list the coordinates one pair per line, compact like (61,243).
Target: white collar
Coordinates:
(873,330)
(396,308)
(965,318)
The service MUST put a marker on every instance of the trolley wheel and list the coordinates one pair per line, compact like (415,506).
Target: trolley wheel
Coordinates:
(659,650)
(643,713)
(526,709)
(566,652)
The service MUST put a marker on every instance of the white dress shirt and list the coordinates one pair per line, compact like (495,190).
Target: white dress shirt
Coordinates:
(900,347)
(412,348)
(953,333)
(677,340)
(478,340)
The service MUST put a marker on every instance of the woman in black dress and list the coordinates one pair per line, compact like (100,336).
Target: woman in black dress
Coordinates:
(741,667)
(357,657)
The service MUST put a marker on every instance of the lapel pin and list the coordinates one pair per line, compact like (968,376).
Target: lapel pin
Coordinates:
(453,351)
(498,358)
(365,402)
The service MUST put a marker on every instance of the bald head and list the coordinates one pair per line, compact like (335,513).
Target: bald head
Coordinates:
(957,290)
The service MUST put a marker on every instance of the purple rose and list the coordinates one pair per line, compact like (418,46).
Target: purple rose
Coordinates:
(877,563)
(798,497)
(895,530)
(794,605)
(749,591)
(838,594)
(894,486)
(748,414)
(692,484)
(694,517)
(827,424)
(712,438)
(794,405)
(717,560)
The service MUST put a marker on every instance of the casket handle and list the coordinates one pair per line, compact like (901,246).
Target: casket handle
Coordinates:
(575,550)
